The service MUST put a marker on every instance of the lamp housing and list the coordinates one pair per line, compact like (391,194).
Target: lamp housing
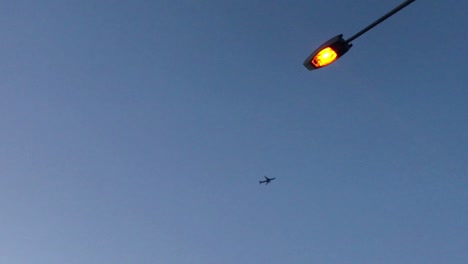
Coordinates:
(327,53)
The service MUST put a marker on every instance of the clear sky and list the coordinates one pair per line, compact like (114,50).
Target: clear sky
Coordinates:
(137,131)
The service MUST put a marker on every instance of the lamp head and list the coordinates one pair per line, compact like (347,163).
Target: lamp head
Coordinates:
(327,53)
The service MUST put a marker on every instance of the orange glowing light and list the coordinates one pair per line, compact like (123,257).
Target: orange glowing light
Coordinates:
(324,57)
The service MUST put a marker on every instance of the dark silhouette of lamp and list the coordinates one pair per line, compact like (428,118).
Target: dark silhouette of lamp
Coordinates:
(334,48)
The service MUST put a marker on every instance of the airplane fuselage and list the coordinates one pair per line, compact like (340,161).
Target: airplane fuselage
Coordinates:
(267,180)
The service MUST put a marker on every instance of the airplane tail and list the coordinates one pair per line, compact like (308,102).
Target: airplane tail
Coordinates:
(260,182)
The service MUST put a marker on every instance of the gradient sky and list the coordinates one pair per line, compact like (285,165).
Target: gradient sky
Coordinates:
(137,131)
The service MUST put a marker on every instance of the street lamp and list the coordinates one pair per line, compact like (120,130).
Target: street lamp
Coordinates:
(334,48)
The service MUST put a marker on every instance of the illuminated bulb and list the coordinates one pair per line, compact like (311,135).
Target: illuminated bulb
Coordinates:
(324,57)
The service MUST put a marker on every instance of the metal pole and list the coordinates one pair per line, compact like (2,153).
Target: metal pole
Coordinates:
(378,21)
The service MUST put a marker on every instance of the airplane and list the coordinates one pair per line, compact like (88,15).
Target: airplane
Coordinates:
(267,180)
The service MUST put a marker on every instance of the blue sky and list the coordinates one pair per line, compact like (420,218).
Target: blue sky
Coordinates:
(137,131)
